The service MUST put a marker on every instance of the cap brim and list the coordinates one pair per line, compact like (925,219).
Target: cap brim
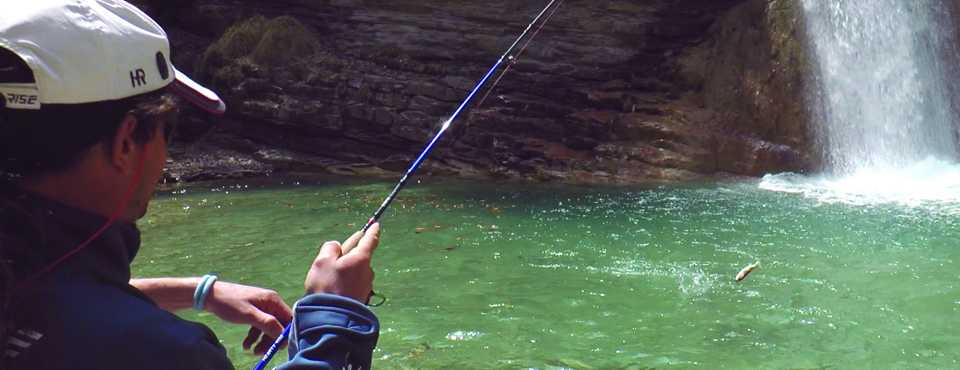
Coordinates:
(197,94)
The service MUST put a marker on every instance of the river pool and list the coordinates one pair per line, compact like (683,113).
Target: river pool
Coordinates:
(493,275)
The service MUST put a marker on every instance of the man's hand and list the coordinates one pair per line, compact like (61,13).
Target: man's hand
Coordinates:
(345,269)
(262,309)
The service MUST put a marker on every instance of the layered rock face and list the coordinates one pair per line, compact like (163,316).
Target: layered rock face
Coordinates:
(608,92)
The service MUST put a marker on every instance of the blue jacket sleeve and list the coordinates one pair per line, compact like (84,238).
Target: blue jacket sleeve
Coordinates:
(332,332)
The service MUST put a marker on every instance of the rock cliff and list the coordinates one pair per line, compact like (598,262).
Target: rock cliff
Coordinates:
(608,92)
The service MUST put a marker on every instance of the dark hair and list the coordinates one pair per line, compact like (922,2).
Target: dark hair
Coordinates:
(50,140)
(53,138)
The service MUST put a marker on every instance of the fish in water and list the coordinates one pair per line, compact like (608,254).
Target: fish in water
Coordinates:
(746,271)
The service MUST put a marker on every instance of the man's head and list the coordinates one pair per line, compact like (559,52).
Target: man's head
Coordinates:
(83,51)
(88,92)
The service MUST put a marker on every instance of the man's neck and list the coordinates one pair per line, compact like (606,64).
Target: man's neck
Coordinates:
(87,186)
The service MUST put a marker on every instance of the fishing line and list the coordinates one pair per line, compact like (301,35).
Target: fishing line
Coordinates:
(416,164)
(515,58)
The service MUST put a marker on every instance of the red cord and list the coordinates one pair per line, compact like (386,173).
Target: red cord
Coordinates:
(136,179)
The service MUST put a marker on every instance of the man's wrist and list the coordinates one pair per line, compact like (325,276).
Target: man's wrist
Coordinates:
(202,291)
(171,294)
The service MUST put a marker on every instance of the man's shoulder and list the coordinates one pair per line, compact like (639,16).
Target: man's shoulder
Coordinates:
(106,327)
(79,305)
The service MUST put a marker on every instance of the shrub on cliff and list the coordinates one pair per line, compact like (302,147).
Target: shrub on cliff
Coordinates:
(279,48)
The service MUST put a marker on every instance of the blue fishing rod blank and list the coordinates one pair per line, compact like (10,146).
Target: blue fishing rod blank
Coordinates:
(413,167)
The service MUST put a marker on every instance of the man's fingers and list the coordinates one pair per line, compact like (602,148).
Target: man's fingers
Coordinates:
(370,240)
(265,344)
(273,305)
(351,242)
(330,250)
(269,325)
(252,335)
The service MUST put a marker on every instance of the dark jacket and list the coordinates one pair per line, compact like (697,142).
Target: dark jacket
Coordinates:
(84,314)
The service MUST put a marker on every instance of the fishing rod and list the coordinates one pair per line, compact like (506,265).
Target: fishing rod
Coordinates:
(416,164)
(446,124)
(513,59)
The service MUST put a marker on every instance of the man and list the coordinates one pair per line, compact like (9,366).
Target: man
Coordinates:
(89,102)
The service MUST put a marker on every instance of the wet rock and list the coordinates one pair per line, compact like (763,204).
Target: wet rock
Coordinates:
(609,92)
(756,158)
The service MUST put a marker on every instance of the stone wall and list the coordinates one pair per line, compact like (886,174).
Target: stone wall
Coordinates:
(608,92)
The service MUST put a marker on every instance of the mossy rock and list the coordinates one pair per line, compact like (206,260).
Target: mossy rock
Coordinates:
(278,46)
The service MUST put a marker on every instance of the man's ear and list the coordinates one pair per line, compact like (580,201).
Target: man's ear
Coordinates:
(124,154)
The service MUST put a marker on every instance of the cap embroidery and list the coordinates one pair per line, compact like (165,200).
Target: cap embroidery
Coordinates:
(19,96)
(22,99)
(138,78)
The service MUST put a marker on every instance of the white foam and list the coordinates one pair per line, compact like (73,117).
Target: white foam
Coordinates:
(928,182)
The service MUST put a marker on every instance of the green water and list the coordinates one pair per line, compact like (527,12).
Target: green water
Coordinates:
(513,276)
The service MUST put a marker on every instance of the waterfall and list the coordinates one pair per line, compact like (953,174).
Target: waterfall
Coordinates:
(886,91)
(886,70)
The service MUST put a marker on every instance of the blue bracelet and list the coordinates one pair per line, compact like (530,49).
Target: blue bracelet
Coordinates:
(203,289)
(196,292)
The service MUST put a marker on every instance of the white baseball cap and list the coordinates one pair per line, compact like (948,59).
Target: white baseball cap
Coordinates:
(84,51)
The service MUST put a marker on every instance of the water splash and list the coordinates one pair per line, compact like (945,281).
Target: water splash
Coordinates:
(927,183)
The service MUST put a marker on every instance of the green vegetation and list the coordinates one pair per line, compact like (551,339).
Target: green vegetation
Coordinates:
(277,47)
